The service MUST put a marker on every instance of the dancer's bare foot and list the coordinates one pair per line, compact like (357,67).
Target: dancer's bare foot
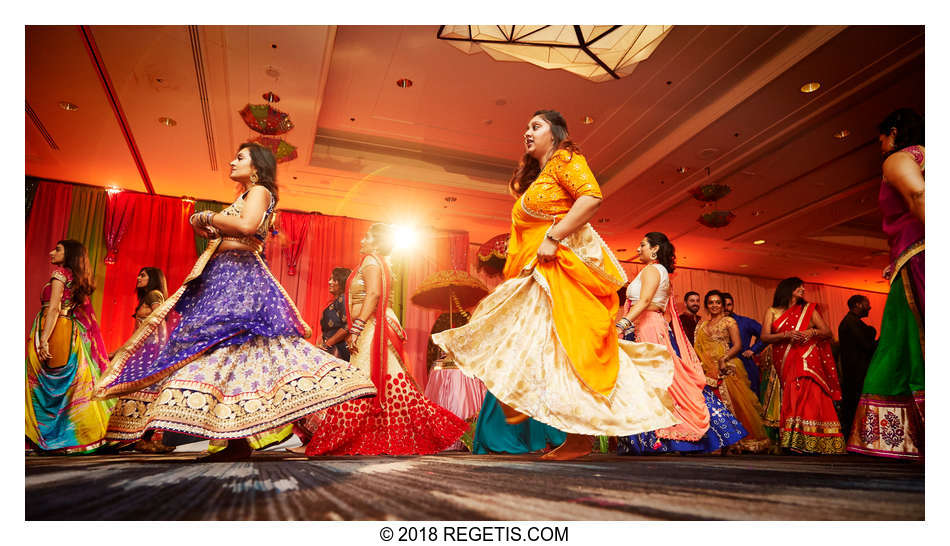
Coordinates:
(237,450)
(299,450)
(512,416)
(576,445)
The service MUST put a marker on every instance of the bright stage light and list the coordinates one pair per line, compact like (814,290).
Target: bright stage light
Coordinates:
(406,237)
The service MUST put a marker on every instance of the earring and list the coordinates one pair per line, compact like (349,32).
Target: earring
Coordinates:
(254,178)
(653,256)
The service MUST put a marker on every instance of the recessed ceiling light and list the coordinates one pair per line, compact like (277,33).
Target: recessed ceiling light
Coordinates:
(842,134)
(757,212)
(810,87)
(68,106)
(603,220)
(743,265)
(681,170)
(758,242)
(588,120)
(451,199)
(167,122)
(404,83)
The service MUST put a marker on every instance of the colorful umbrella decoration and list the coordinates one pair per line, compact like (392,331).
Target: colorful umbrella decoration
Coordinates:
(283,150)
(716,218)
(493,254)
(266,119)
(710,192)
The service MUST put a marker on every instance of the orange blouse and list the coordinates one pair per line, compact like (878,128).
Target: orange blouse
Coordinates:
(562,181)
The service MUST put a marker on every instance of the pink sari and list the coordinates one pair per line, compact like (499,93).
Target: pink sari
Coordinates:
(688,377)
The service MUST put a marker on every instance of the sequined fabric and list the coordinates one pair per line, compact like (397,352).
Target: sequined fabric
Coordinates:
(407,423)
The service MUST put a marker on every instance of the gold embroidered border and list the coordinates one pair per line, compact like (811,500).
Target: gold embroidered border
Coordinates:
(905,257)
(912,303)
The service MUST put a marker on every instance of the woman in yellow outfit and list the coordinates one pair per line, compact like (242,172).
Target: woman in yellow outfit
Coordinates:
(543,342)
(717,344)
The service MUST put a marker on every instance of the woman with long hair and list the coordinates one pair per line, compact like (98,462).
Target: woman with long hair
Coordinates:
(890,417)
(801,354)
(399,420)
(717,344)
(65,355)
(706,425)
(333,318)
(151,292)
(235,362)
(543,341)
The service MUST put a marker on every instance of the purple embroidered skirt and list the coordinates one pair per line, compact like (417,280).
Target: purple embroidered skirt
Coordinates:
(234,362)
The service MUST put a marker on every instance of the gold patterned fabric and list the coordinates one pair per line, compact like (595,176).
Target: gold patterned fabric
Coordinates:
(510,345)
(735,389)
(240,390)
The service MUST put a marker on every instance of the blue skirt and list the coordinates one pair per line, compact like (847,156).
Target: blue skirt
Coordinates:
(724,429)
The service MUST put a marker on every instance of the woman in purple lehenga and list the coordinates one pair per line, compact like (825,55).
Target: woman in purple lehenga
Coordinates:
(235,362)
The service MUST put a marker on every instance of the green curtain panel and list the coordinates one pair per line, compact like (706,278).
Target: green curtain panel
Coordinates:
(86,218)
(400,287)
(32,184)
(200,242)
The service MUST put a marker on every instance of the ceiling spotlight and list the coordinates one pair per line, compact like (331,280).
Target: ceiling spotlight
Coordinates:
(743,265)
(68,106)
(167,122)
(404,83)
(758,242)
(451,199)
(842,134)
(810,87)
(681,170)
(406,237)
(588,120)
(757,212)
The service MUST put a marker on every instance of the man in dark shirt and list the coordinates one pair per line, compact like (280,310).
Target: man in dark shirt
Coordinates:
(857,346)
(690,318)
(748,328)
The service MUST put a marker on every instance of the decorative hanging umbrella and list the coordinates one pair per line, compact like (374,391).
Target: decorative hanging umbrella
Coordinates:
(716,218)
(450,290)
(266,119)
(493,254)
(710,192)
(283,150)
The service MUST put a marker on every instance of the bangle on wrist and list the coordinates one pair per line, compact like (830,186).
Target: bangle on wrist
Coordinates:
(548,235)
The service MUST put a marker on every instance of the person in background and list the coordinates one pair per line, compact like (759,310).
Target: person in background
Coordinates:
(749,329)
(690,317)
(857,346)
(64,357)
(802,356)
(889,421)
(333,319)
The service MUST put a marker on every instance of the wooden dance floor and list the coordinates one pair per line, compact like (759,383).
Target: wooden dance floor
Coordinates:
(278,486)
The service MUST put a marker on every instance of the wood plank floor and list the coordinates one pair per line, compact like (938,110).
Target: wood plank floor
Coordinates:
(278,486)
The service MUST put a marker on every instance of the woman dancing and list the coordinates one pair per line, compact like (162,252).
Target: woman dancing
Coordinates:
(801,355)
(707,425)
(235,362)
(543,342)
(65,355)
(717,344)
(890,417)
(399,420)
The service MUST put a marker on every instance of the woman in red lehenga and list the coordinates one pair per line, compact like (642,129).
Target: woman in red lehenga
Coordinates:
(802,355)
(399,420)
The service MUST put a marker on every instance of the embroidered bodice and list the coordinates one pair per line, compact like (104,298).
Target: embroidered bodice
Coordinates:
(662,294)
(718,332)
(357,292)
(66,276)
(562,181)
(145,307)
(267,220)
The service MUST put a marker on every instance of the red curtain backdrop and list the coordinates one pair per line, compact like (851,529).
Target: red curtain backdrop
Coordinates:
(48,223)
(294,227)
(158,235)
(119,210)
